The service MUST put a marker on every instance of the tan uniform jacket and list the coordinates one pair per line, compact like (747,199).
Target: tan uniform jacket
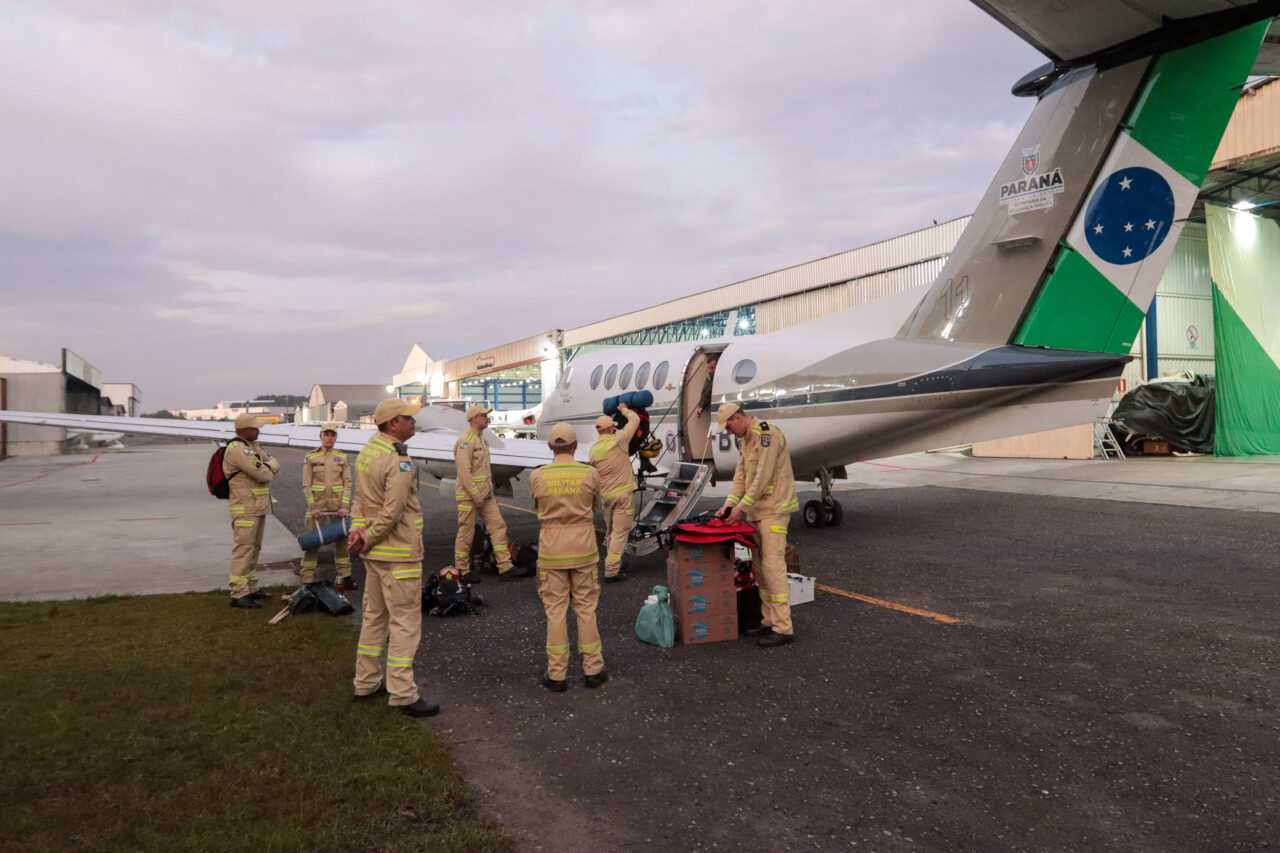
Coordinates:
(565,494)
(471,457)
(609,456)
(763,481)
(386,502)
(326,480)
(250,489)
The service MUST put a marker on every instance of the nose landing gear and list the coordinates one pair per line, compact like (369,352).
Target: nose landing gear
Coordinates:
(826,512)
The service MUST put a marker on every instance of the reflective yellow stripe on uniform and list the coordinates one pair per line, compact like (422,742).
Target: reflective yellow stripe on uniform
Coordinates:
(558,650)
(406,574)
(357,522)
(399,663)
(791,505)
(572,558)
(243,522)
(378,551)
(238,579)
(615,492)
(338,488)
(460,558)
(500,548)
(236,510)
(747,500)
(588,648)
(371,651)
(317,488)
(732,500)
(775,597)
(612,556)
(779,528)
(417,524)
(262,491)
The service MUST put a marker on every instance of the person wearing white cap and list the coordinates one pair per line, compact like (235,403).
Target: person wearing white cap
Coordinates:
(474,494)
(386,525)
(565,494)
(249,505)
(609,456)
(326,485)
(764,490)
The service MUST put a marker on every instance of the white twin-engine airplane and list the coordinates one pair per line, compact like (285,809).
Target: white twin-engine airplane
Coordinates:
(1030,322)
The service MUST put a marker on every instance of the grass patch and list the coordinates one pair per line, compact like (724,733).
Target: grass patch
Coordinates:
(176,723)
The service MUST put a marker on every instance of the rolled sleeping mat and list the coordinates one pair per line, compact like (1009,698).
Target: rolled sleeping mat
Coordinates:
(311,539)
(632,399)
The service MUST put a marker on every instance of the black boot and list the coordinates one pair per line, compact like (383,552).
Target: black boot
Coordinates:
(773,638)
(246,603)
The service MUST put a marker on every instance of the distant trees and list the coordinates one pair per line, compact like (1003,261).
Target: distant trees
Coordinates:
(165,413)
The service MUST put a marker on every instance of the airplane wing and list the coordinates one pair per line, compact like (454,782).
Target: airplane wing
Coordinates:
(432,445)
(1066,32)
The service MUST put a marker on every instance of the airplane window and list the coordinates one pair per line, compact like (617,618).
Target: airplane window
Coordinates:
(595,376)
(744,371)
(609,376)
(642,375)
(625,379)
(660,376)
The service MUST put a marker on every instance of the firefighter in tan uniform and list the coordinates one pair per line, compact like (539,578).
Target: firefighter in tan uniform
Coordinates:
(617,483)
(565,493)
(764,490)
(249,471)
(326,484)
(386,524)
(474,493)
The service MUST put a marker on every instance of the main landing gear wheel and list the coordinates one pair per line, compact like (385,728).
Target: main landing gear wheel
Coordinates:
(823,513)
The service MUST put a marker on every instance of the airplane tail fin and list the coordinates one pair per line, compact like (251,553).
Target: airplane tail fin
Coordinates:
(1072,237)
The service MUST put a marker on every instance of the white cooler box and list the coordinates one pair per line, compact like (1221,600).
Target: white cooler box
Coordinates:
(800,589)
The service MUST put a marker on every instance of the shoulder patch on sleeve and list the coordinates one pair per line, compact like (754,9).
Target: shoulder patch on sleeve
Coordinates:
(764,440)
(406,466)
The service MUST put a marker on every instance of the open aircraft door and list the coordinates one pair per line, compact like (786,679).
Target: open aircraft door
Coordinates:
(695,429)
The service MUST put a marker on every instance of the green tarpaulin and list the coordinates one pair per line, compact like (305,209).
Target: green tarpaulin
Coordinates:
(1244,260)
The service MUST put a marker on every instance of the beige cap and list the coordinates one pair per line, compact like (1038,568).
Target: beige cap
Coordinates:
(247,420)
(562,435)
(726,411)
(477,410)
(329,427)
(389,409)
(604,422)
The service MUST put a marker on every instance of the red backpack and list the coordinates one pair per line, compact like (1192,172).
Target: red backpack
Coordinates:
(215,478)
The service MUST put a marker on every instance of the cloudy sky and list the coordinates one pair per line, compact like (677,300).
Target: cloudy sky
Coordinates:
(218,199)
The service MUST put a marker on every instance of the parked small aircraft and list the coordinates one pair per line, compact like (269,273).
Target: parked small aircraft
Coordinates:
(1033,316)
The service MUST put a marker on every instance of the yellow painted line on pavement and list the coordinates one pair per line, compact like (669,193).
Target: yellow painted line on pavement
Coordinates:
(880,602)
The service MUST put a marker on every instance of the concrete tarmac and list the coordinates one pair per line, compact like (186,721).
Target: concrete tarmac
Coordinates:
(1113,685)
(120,522)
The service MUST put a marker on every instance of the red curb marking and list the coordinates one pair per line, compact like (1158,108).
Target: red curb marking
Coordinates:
(47,473)
(882,465)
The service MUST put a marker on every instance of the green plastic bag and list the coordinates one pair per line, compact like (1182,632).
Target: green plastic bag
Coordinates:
(656,624)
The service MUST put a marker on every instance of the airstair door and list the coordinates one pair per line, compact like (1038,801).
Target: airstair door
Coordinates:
(664,505)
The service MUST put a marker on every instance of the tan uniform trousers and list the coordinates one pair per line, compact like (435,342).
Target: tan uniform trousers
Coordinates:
(247,545)
(619,519)
(556,587)
(488,510)
(341,559)
(392,624)
(771,572)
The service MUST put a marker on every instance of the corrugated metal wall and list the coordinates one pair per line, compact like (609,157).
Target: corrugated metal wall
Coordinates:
(1184,306)
(904,251)
(1253,130)
(35,392)
(789,310)
(534,347)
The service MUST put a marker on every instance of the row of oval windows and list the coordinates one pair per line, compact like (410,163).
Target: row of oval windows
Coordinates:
(743,372)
